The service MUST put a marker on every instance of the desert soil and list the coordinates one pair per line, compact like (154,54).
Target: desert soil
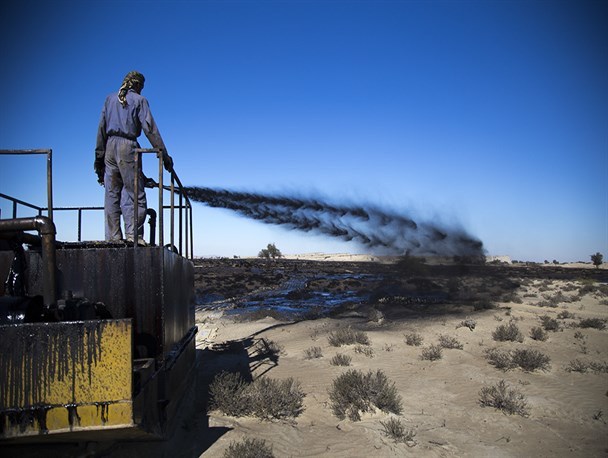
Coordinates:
(568,409)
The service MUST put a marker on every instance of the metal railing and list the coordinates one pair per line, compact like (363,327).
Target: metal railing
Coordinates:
(184,207)
(185,230)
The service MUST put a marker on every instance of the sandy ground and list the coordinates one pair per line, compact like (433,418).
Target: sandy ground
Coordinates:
(568,410)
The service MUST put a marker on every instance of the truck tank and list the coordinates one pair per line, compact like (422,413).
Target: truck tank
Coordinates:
(97,339)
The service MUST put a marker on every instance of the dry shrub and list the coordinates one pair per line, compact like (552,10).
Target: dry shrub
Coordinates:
(431,353)
(596,323)
(564,314)
(365,350)
(340,360)
(577,365)
(228,394)
(265,398)
(313,353)
(549,324)
(449,342)
(394,429)
(556,299)
(249,448)
(530,360)
(272,398)
(499,359)
(538,333)
(502,397)
(484,304)
(508,332)
(468,323)
(354,392)
(413,339)
(347,336)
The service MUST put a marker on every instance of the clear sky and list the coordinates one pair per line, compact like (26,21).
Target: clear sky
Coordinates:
(492,115)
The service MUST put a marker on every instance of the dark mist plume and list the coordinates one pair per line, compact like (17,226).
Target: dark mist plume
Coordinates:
(381,231)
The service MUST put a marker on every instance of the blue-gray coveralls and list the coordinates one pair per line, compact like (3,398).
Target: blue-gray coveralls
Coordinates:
(117,135)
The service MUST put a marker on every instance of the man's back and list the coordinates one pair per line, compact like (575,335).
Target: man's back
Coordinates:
(124,120)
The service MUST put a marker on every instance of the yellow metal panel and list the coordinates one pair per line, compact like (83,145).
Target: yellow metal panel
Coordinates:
(60,419)
(65,376)
(102,372)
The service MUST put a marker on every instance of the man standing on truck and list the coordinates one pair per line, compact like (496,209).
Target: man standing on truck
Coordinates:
(123,117)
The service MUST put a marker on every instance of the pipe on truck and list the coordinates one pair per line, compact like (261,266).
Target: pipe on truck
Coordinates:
(47,231)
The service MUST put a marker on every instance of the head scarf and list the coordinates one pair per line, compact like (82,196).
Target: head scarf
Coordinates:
(133,80)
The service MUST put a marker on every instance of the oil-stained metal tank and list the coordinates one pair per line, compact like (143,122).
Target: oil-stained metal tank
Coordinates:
(119,376)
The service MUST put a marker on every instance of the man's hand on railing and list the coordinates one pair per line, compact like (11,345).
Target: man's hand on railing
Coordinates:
(100,169)
(167,161)
(150,183)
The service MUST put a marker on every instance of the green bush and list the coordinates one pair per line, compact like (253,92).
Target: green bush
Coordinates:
(508,332)
(249,448)
(347,336)
(502,397)
(354,392)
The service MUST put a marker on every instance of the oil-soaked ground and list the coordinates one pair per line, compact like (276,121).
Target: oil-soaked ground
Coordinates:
(299,289)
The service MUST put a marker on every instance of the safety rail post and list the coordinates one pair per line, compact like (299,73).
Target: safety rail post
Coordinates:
(80,224)
(136,200)
(49,182)
(161,216)
(172,213)
(181,203)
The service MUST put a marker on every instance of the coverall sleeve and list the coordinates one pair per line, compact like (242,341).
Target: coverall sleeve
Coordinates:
(102,136)
(149,127)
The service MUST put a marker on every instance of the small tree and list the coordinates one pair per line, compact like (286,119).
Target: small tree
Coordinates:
(271,251)
(597,259)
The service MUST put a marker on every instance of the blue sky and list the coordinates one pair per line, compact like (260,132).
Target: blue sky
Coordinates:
(491,115)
